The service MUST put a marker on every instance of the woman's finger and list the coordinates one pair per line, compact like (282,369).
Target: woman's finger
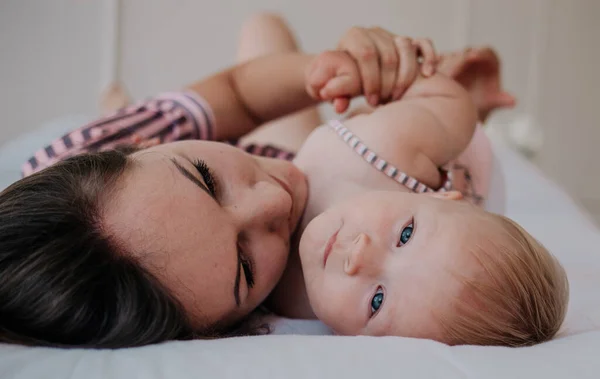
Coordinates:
(408,67)
(364,51)
(425,47)
(388,61)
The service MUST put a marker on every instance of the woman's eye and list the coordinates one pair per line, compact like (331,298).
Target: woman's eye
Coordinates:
(376,301)
(206,175)
(248,272)
(247,265)
(405,234)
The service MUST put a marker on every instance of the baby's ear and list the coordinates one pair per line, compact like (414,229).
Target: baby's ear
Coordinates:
(450,195)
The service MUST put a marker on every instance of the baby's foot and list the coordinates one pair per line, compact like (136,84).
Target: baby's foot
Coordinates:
(478,70)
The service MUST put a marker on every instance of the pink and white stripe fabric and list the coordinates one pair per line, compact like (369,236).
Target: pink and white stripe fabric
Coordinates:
(171,116)
(382,165)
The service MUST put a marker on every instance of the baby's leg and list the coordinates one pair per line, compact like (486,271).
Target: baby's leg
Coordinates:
(265,34)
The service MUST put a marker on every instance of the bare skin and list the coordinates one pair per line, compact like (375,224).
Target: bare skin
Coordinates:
(262,35)
(221,254)
(430,126)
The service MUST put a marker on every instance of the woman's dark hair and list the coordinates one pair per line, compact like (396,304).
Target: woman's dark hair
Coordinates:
(64,281)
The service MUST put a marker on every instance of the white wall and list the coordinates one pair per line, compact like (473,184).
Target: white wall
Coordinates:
(50,61)
(166,46)
(569,98)
(55,56)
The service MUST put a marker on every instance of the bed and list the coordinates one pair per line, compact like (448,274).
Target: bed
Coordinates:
(300,350)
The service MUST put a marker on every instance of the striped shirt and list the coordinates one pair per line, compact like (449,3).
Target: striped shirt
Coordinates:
(172,116)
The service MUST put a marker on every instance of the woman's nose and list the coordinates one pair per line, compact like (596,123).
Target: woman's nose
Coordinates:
(265,207)
(361,256)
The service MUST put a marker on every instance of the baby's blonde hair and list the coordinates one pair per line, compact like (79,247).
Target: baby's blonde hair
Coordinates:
(519,298)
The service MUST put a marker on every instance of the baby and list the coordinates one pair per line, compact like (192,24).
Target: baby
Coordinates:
(388,247)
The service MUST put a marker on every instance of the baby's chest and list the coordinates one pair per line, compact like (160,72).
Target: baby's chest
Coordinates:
(341,166)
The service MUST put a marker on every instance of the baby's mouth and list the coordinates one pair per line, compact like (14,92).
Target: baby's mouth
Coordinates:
(329,245)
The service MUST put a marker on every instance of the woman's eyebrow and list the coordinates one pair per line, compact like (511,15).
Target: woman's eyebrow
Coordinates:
(186,173)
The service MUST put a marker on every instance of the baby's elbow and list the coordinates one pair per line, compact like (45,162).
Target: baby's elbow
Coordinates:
(463,100)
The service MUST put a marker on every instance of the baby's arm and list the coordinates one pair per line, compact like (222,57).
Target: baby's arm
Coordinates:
(431,125)
(436,118)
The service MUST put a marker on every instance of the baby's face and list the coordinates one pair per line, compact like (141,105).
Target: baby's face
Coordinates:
(382,263)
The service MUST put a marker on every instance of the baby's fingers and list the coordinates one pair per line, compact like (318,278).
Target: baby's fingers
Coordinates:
(343,85)
(341,104)
(317,77)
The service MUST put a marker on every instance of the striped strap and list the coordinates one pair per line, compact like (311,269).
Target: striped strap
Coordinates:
(383,166)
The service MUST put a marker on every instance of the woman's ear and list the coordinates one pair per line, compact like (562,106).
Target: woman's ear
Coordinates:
(450,195)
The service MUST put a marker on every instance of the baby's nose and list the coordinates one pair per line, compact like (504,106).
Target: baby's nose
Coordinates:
(360,255)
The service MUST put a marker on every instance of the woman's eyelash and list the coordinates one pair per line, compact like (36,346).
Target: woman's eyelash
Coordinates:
(207,176)
(247,266)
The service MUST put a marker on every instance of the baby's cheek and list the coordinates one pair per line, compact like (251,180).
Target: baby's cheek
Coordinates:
(317,295)
(337,308)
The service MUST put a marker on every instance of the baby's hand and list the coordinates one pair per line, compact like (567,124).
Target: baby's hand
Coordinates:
(388,63)
(478,70)
(333,76)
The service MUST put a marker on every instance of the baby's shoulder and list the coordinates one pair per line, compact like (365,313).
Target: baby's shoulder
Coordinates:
(323,157)
(332,163)
(396,148)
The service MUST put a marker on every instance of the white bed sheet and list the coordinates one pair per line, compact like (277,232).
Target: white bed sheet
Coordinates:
(532,200)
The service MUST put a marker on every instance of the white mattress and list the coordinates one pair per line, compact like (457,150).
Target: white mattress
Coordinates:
(539,205)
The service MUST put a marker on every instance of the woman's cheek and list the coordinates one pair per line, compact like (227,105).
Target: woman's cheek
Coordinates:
(272,264)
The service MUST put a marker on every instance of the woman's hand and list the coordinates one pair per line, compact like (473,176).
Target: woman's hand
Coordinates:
(388,63)
(478,71)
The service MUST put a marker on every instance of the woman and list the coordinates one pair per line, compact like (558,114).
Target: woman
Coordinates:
(124,248)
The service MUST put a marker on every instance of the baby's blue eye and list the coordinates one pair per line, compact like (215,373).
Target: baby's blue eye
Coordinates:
(405,234)
(376,301)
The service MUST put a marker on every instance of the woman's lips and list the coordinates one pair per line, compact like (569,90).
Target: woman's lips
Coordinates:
(329,246)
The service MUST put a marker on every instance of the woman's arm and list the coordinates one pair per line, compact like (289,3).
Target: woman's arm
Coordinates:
(248,95)
(224,106)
